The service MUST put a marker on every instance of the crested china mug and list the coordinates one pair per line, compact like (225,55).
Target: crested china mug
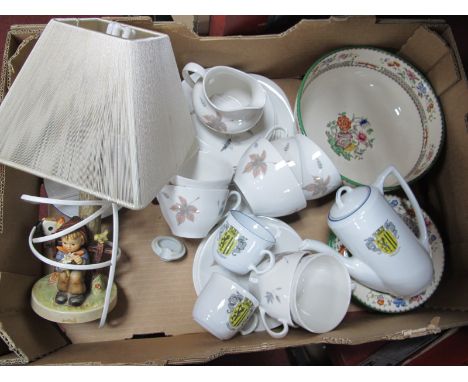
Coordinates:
(386,255)
(225,99)
(225,308)
(241,244)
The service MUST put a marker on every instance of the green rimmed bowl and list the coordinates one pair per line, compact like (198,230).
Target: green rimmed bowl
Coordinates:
(367,109)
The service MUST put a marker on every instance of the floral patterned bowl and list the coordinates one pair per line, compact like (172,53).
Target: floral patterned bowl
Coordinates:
(367,108)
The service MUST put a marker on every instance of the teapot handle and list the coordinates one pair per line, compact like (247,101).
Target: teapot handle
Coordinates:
(379,183)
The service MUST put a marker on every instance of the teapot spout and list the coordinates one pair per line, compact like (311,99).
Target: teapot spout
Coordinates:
(357,269)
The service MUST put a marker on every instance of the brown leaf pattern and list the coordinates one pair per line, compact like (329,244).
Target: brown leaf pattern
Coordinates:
(184,211)
(214,121)
(257,164)
(318,187)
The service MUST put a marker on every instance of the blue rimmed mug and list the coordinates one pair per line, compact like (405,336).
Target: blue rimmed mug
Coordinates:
(242,242)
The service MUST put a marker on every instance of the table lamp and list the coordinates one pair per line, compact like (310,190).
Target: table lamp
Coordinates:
(98,106)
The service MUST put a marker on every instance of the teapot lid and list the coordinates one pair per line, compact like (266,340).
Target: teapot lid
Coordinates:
(348,200)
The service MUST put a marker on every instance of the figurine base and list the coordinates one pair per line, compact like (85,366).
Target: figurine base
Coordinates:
(43,301)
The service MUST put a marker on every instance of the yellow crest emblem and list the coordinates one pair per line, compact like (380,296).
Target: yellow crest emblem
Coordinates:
(228,241)
(241,313)
(384,239)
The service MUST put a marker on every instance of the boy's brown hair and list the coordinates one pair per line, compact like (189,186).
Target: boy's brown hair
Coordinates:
(79,233)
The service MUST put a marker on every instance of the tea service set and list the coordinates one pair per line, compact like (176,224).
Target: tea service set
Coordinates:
(252,271)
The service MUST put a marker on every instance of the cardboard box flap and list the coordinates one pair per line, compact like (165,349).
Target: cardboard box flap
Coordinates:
(11,359)
(29,336)
(19,57)
(202,347)
(10,48)
(431,55)
(447,34)
(17,217)
(16,319)
(444,73)
(289,54)
(15,291)
(452,293)
(424,48)
(450,175)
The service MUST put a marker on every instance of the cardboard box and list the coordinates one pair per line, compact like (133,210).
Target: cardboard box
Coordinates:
(152,322)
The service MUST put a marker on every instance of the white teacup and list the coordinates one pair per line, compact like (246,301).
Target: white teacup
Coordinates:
(224,308)
(267,183)
(273,290)
(320,293)
(225,99)
(192,212)
(319,175)
(204,170)
(289,150)
(241,244)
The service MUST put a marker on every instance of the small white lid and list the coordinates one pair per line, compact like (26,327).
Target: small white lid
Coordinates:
(348,200)
(168,248)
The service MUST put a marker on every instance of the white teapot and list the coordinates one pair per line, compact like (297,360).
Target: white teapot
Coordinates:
(386,255)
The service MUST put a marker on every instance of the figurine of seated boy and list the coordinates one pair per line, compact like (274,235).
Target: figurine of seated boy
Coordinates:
(71,284)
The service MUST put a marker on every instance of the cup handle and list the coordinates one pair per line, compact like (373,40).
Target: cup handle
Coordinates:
(272,333)
(252,326)
(236,205)
(271,263)
(270,132)
(192,67)
(379,183)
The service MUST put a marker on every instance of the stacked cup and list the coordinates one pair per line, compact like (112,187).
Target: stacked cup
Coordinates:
(195,199)
(277,178)
(312,291)
(224,307)
(313,169)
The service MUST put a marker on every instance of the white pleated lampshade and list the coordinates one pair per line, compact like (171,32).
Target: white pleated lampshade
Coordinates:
(101,113)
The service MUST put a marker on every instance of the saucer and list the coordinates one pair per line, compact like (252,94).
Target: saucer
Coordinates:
(387,303)
(277,112)
(204,264)
(367,108)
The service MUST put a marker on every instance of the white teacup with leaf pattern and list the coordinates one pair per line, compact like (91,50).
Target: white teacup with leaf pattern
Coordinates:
(192,212)
(267,183)
(319,175)
(273,290)
(241,244)
(204,170)
(289,149)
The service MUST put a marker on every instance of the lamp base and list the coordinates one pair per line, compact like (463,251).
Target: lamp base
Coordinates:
(43,301)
